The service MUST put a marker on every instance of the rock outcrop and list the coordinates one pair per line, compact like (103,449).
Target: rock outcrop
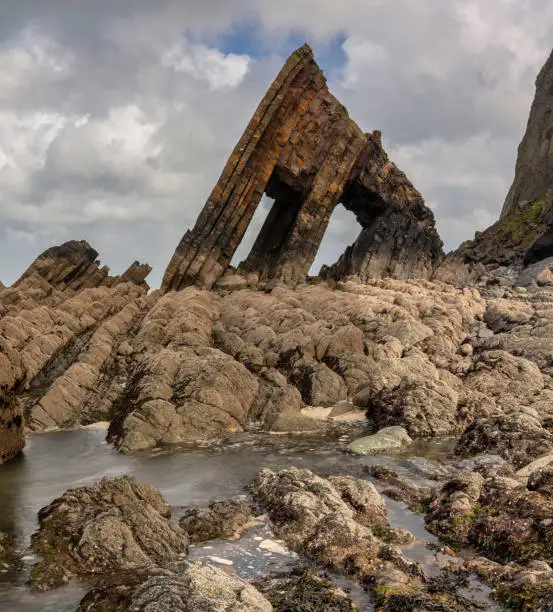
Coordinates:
(62,326)
(222,519)
(188,587)
(534,166)
(74,266)
(341,522)
(523,235)
(115,525)
(303,150)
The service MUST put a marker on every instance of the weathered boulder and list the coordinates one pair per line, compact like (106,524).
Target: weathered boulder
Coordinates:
(116,524)
(310,514)
(542,480)
(423,407)
(387,439)
(517,436)
(509,380)
(221,519)
(498,516)
(201,588)
(190,587)
(319,385)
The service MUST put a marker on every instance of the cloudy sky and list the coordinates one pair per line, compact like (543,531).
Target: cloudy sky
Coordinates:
(116,117)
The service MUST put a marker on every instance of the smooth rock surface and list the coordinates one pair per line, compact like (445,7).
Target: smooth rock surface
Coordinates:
(388,438)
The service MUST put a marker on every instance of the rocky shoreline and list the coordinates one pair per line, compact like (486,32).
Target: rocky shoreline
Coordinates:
(391,352)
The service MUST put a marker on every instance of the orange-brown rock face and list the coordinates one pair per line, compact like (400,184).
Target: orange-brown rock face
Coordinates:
(302,149)
(62,329)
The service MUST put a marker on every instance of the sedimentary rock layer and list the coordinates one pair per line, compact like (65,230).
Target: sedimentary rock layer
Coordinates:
(302,149)
(62,327)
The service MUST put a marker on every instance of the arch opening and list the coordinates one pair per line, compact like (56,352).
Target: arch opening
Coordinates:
(343,229)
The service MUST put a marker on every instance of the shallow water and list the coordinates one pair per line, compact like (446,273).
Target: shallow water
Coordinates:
(54,462)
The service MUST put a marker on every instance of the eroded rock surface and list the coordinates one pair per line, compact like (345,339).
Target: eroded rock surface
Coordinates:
(61,328)
(189,587)
(115,525)
(221,519)
(499,516)
(341,522)
(303,590)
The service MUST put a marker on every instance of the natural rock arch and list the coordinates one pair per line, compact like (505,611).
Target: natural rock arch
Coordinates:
(303,150)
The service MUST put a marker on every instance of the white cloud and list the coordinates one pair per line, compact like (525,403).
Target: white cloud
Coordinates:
(32,56)
(218,70)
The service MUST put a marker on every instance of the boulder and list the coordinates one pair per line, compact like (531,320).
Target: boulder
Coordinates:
(387,439)
(517,437)
(190,587)
(221,519)
(423,407)
(116,524)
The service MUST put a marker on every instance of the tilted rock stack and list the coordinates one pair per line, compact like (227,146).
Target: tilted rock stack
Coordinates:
(302,149)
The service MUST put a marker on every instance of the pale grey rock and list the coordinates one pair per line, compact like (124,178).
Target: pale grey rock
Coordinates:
(387,439)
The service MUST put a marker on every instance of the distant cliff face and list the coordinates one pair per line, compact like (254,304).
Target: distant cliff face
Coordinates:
(534,167)
(523,234)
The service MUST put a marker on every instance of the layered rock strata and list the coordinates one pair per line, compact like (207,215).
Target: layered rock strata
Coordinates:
(62,331)
(302,149)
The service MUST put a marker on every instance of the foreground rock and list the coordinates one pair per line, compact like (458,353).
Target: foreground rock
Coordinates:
(191,587)
(527,587)
(8,555)
(222,519)
(303,590)
(115,525)
(497,515)
(334,521)
(516,436)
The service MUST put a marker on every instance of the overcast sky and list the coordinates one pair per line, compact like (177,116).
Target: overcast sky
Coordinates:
(117,116)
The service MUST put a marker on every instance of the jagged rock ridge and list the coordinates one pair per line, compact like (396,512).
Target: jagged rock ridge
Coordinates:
(303,150)
(60,328)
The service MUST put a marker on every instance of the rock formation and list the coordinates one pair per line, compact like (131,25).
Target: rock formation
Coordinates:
(74,266)
(61,326)
(534,166)
(117,524)
(302,149)
(523,234)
